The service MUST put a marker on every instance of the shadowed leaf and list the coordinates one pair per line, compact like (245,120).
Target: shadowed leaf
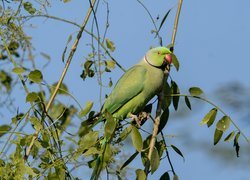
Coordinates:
(163,120)
(175,90)
(31,97)
(136,139)
(129,160)
(4,129)
(165,176)
(154,161)
(236,144)
(188,102)
(110,125)
(177,151)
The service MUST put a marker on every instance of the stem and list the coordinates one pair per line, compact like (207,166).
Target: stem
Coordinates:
(158,110)
(217,107)
(72,52)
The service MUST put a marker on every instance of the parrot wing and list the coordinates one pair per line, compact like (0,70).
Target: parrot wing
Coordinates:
(128,86)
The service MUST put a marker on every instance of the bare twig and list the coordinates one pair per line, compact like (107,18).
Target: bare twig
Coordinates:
(158,110)
(72,52)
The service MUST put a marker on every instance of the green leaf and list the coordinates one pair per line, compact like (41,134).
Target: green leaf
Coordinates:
(165,176)
(195,91)
(229,136)
(4,129)
(154,161)
(163,120)
(166,101)
(175,90)
(129,160)
(175,62)
(29,7)
(175,177)
(140,174)
(163,19)
(177,151)
(136,139)
(223,124)
(110,45)
(36,123)
(63,89)
(86,109)
(124,134)
(32,97)
(35,76)
(209,117)
(107,153)
(188,102)
(217,136)
(110,64)
(88,140)
(110,125)
(18,70)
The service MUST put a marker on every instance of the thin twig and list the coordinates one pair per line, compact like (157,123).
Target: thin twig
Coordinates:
(72,52)
(158,110)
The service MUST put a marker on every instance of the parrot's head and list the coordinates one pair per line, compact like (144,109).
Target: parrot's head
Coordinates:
(159,57)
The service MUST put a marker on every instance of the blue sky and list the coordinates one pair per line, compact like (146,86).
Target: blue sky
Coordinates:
(213,49)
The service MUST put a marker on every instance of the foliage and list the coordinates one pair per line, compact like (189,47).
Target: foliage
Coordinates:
(48,149)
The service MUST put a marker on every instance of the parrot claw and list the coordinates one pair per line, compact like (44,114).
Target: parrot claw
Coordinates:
(136,119)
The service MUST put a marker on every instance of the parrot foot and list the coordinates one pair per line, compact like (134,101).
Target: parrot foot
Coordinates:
(140,119)
(135,119)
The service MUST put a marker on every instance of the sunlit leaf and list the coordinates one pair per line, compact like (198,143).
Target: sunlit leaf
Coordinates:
(31,97)
(165,176)
(18,70)
(154,161)
(140,174)
(217,136)
(229,136)
(195,91)
(110,45)
(107,153)
(35,76)
(86,109)
(4,129)
(209,117)
(110,64)
(223,124)
(188,102)
(175,62)
(136,139)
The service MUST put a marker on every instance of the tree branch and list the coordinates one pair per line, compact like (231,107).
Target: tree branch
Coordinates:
(71,55)
(160,97)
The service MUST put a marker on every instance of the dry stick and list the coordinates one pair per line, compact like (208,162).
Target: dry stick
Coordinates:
(158,110)
(72,52)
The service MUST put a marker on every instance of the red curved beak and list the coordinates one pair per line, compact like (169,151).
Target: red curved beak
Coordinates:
(168,58)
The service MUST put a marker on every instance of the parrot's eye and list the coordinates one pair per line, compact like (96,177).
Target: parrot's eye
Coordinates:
(159,53)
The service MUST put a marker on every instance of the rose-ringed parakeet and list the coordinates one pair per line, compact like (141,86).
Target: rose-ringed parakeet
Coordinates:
(131,93)
(138,85)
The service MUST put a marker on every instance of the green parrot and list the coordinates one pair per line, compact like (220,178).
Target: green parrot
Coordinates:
(138,85)
(132,92)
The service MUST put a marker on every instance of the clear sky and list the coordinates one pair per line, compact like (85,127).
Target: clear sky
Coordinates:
(213,49)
